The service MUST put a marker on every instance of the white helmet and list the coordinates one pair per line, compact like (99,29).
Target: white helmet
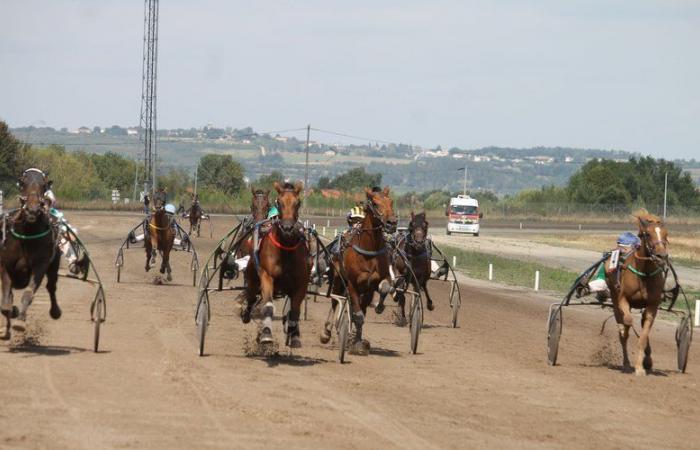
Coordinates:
(170,208)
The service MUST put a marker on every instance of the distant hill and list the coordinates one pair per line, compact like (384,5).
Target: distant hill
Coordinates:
(405,167)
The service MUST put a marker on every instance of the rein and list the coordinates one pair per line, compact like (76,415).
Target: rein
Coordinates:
(279,245)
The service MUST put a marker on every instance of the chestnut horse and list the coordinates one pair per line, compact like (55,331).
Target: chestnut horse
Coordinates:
(195,216)
(160,235)
(415,245)
(363,261)
(280,267)
(640,284)
(29,252)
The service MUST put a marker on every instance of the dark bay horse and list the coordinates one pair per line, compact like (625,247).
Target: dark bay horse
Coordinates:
(195,216)
(29,251)
(160,235)
(280,267)
(640,284)
(363,261)
(415,245)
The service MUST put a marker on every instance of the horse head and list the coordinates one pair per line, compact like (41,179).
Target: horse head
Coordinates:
(418,229)
(260,204)
(32,185)
(159,200)
(288,204)
(654,236)
(381,207)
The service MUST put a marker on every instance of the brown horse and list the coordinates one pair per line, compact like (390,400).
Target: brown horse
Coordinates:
(363,262)
(415,246)
(281,267)
(29,251)
(640,284)
(160,235)
(195,216)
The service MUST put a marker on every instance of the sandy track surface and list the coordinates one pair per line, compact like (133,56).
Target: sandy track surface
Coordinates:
(484,384)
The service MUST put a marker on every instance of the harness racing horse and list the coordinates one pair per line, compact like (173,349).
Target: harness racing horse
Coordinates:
(29,252)
(160,235)
(280,268)
(639,283)
(415,245)
(195,214)
(362,260)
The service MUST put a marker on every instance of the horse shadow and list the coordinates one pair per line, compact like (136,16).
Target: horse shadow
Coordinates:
(379,351)
(630,371)
(292,360)
(45,350)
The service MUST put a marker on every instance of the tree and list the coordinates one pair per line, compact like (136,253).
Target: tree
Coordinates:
(221,172)
(266,181)
(324,183)
(355,179)
(12,153)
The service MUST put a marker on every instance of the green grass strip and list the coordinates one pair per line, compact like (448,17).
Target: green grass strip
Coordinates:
(509,271)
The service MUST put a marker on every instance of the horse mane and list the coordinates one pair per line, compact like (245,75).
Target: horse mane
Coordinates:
(287,186)
(644,215)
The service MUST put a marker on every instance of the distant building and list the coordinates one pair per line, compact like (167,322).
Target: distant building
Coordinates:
(132,131)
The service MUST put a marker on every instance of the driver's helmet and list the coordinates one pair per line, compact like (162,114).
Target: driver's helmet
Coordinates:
(356,212)
(273,212)
(628,239)
(170,209)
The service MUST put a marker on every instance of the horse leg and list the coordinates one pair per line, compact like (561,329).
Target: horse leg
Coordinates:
(149,250)
(293,319)
(358,346)
(325,335)
(644,358)
(6,305)
(20,324)
(266,290)
(430,304)
(384,289)
(623,333)
(51,281)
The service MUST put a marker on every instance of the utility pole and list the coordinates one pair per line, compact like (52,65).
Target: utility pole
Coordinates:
(148,123)
(665,192)
(196,169)
(306,172)
(464,190)
(136,181)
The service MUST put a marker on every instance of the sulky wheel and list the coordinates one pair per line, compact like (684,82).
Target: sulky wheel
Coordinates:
(97,318)
(455,303)
(343,331)
(684,334)
(416,322)
(554,324)
(202,322)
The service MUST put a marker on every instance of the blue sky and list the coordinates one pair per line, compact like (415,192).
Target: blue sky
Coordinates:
(593,74)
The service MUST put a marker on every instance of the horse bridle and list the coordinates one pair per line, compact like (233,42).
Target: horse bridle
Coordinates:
(23,198)
(649,245)
(369,204)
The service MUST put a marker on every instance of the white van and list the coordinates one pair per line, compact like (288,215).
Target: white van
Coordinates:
(463,215)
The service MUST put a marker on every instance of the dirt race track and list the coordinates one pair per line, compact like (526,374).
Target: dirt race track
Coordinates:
(483,385)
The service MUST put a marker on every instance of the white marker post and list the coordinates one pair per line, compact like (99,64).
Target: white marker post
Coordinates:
(521,225)
(328,222)
(454,261)
(537,280)
(490,272)
(697,312)
(323,231)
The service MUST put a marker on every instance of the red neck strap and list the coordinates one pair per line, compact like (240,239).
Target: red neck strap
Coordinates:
(277,244)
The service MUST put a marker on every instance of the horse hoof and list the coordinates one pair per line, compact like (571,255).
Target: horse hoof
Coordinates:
(379,308)
(148,268)
(295,342)
(265,336)
(55,313)
(431,307)
(245,315)
(169,277)
(14,313)
(648,363)
(640,372)
(325,336)
(19,325)
(360,348)
(5,335)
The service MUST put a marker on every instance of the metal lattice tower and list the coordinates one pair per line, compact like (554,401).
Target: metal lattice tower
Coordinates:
(148,92)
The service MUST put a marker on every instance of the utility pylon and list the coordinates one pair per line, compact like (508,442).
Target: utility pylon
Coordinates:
(148,120)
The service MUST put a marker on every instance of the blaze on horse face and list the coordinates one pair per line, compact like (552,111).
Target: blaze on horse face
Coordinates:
(383,205)
(288,204)
(418,228)
(260,205)
(33,184)
(653,233)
